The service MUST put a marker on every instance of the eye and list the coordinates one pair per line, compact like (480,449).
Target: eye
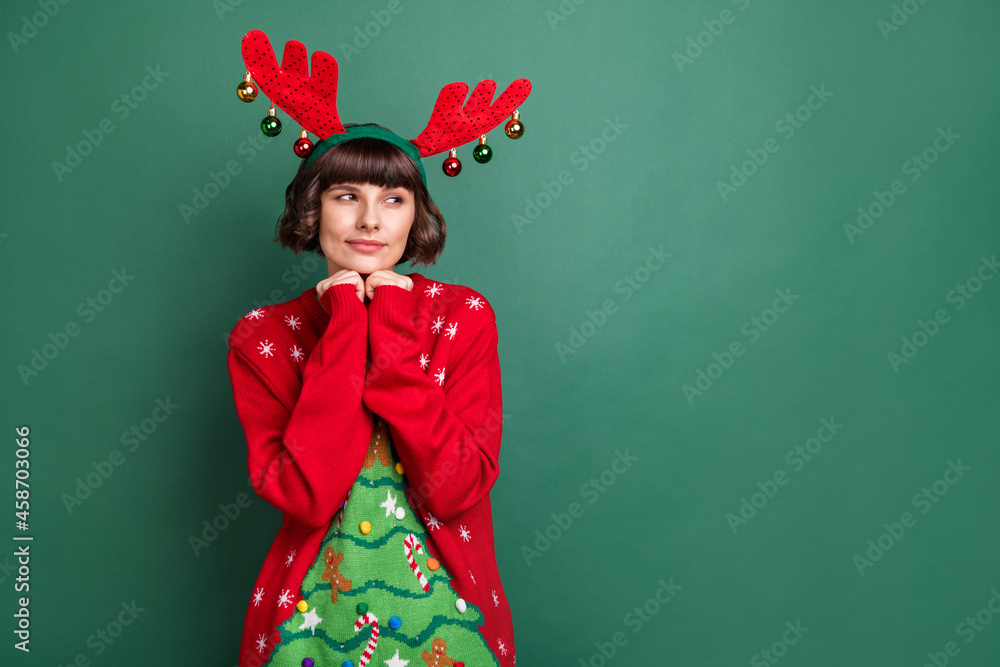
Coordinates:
(346,194)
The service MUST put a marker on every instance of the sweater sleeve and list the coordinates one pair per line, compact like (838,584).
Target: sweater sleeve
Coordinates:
(303,458)
(447,437)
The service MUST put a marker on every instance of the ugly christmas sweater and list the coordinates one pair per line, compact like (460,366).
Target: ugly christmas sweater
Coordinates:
(311,385)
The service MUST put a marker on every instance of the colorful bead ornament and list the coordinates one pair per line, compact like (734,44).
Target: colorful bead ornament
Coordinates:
(399,468)
(302,606)
(432,564)
(307,662)
(362,609)
(395,622)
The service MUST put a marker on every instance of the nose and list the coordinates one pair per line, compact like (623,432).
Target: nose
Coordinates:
(368,215)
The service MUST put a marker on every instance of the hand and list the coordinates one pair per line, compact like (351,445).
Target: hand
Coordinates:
(386,277)
(339,278)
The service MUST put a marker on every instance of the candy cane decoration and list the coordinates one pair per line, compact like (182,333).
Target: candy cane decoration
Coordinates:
(409,544)
(363,620)
(340,514)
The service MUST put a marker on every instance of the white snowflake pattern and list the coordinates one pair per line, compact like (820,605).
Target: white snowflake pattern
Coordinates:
(296,353)
(432,522)
(255,314)
(496,600)
(389,504)
(464,532)
(439,376)
(266,348)
(396,661)
(286,598)
(292,322)
(474,302)
(424,360)
(261,643)
(452,328)
(437,324)
(291,557)
(258,596)
(503,649)
(433,290)
(311,619)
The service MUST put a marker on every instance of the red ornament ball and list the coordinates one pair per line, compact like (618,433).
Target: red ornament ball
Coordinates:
(452,166)
(303,147)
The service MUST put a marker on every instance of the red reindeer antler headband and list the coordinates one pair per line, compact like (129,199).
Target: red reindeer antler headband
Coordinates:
(311,100)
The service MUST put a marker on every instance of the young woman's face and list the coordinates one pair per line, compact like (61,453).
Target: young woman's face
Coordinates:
(355,213)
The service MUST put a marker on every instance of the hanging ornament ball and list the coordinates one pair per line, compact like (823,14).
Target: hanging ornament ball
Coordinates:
(270,126)
(307,662)
(366,527)
(394,622)
(362,608)
(246,91)
(482,153)
(460,605)
(302,606)
(303,147)
(514,129)
(452,166)
(432,564)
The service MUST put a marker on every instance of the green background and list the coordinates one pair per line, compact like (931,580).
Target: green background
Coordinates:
(683,126)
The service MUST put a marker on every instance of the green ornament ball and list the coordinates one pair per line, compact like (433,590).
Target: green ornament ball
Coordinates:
(270,126)
(482,153)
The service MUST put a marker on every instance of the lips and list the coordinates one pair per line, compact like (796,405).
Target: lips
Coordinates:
(365,245)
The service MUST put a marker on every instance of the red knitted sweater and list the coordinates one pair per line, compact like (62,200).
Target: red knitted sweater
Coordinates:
(306,384)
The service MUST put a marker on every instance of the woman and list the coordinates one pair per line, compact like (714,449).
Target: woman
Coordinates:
(372,411)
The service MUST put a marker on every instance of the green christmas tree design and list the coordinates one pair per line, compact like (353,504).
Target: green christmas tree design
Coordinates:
(363,576)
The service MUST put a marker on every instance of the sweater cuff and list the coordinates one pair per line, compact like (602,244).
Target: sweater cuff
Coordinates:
(393,304)
(342,303)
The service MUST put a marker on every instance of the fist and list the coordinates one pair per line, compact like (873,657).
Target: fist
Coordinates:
(386,277)
(338,278)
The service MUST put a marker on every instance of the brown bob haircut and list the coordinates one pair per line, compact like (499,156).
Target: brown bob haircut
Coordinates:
(361,160)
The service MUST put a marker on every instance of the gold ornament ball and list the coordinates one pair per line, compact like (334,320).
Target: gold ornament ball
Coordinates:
(514,129)
(246,91)
(366,527)
(302,606)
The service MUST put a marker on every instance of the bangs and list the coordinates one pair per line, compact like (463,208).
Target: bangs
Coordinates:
(368,160)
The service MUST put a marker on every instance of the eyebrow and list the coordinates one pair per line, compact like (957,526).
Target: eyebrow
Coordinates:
(353,188)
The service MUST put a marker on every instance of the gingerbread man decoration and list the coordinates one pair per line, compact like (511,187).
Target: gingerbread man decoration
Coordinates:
(332,572)
(439,658)
(378,448)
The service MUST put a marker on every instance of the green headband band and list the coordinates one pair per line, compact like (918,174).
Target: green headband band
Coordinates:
(374,132)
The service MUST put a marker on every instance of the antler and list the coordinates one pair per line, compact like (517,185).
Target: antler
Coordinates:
(310,101)
(452,125)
